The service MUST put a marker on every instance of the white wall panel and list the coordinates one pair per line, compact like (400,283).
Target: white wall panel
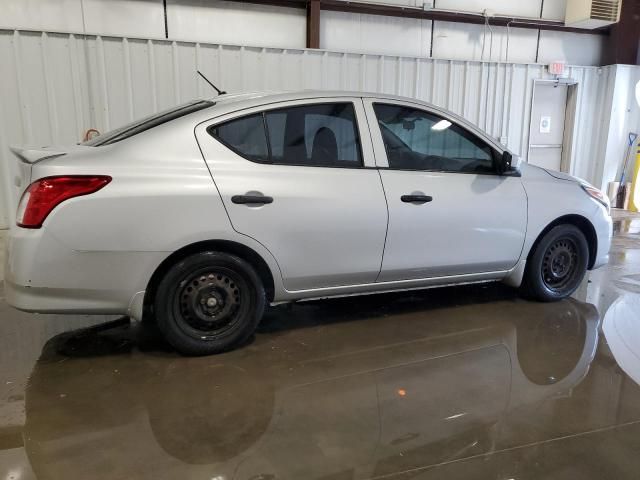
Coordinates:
(375,34)
(139,18)
(459,41)
(61,15)
(233,23)
(624,118)
(554,10)
(574,48)
(595,95)
(465,42)
(55,86)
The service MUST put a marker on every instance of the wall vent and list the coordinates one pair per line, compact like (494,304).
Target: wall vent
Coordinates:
(592,13)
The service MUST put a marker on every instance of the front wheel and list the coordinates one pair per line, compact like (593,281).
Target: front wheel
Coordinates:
(208,303)
(558,264)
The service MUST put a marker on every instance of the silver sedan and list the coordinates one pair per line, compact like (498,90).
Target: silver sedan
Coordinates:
(202,215)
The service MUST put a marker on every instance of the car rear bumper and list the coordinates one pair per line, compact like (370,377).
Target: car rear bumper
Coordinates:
(43,275)
(60,300)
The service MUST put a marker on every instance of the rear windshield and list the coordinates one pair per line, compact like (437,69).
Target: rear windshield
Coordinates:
(147,123)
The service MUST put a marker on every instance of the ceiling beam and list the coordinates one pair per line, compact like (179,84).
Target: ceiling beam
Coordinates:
(387,10)
(449,16)
(277,3)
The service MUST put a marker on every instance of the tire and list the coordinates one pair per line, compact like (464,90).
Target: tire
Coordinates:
(557,266)
(208,303)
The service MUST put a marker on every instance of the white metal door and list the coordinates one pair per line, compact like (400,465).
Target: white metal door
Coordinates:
(546,135)
(325,227)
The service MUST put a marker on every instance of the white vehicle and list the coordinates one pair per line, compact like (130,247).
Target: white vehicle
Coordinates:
(201,215)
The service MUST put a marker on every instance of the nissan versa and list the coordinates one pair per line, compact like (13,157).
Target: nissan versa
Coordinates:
(201,215)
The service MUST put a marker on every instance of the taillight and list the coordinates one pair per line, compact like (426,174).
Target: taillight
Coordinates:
(45,194)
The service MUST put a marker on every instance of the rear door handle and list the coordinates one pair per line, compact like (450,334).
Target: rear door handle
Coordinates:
(255,199)
(416,198)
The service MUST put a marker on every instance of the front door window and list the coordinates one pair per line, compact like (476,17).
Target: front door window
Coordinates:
(419,140)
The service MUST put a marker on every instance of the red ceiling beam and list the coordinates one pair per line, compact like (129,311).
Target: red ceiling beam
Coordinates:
(448,16)
(277,3)
(435,15)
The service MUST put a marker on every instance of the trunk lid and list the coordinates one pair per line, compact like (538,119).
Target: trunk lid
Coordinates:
(29,156)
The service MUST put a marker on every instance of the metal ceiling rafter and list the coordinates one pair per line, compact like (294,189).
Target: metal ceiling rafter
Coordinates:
(450,16)
(370,8)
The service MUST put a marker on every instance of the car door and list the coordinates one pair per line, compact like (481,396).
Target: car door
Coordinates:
(449,212)
(293,176)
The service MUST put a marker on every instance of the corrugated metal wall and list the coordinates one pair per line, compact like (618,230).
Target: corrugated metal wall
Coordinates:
(56,86)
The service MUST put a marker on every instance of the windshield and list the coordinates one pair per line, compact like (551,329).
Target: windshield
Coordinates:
(147,123)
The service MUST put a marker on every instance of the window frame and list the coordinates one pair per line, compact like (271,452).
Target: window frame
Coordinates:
(472,137)
(361,164)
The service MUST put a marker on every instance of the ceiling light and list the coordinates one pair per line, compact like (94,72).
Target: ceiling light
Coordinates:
(441,125)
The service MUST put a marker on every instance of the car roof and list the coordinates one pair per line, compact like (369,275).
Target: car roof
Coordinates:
(303,92)
(261,97)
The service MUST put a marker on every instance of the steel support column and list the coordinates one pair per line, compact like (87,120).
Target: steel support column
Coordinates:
(313,24)
(623,45)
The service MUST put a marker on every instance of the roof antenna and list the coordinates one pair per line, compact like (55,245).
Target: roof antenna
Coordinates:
(220,92)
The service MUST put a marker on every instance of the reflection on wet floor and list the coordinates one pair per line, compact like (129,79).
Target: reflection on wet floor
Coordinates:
(464,382)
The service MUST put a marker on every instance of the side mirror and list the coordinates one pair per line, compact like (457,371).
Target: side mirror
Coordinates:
(503,163)
(506,160)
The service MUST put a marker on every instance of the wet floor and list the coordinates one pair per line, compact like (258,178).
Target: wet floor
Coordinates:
(464,382)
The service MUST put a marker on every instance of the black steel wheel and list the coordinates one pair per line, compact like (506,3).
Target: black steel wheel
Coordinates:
(208,303)
(557,264)
(560,263)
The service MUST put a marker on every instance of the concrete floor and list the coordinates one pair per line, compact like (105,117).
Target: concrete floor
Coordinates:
(465,382)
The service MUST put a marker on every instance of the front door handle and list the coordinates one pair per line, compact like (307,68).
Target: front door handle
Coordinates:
(416,198)
(254,199)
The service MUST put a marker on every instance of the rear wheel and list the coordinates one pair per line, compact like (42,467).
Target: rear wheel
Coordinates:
(558,264)
(208,303)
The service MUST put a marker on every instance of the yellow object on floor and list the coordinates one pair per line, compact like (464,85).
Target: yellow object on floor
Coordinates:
(634,200)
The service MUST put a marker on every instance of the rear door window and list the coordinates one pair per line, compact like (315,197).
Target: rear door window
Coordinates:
(324,135)
(315,135)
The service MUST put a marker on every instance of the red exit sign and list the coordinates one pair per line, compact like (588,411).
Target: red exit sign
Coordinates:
(556,68)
